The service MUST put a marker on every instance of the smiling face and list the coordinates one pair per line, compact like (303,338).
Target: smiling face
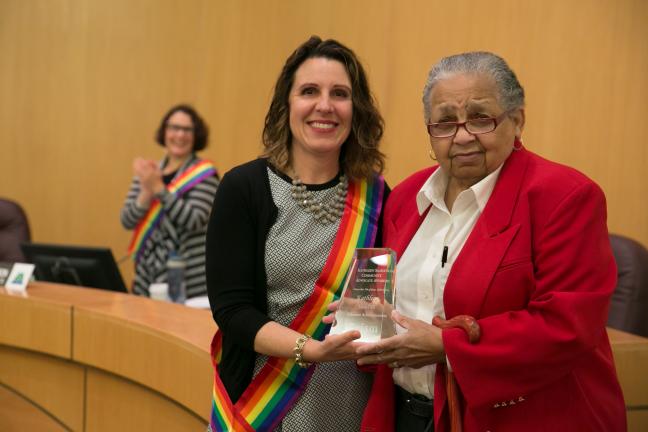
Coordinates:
(465,157)
(321,109)
(179,135)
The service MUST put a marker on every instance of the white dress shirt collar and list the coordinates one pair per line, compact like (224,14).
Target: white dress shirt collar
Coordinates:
(433,190)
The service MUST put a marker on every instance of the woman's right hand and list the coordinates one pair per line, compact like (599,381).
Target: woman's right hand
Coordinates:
(420,345)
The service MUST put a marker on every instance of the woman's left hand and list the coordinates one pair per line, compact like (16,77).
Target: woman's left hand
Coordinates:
(419,346)
(333,348)
(332,307)
(149,174)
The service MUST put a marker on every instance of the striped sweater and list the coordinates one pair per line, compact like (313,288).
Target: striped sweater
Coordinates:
(182,229)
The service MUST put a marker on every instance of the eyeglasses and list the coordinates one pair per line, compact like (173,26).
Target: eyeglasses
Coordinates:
(476,126)
(179,128)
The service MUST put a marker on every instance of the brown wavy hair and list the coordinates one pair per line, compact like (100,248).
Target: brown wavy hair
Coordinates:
(360,156)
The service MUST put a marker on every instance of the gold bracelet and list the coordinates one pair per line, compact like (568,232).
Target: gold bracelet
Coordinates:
(299,351)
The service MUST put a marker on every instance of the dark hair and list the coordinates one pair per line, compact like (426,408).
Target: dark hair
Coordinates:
(201,131)
(360,156)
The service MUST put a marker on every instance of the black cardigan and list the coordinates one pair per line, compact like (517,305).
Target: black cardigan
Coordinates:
(242,215)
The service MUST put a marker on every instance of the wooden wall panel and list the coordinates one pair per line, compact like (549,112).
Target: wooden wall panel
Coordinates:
(18,414)
(56,385)
(84,83)
(111,406)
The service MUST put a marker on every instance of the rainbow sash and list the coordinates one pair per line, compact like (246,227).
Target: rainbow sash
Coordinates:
(280,382)
(181,184)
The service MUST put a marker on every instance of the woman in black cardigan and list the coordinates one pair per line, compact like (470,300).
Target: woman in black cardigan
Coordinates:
(276,231)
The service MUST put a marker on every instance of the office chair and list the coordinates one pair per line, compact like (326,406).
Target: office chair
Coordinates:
(14,230)
(629,304)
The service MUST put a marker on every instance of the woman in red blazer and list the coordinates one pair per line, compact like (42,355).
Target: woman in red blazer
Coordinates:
(519,243)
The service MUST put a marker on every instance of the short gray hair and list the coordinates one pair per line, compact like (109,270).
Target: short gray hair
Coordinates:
(510,92)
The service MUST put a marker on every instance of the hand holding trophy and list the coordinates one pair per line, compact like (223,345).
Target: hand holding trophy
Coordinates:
(368,296)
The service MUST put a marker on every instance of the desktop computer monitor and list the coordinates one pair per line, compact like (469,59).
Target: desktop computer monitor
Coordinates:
(93,267)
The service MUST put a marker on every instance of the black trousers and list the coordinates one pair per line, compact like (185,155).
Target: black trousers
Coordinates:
(414,413)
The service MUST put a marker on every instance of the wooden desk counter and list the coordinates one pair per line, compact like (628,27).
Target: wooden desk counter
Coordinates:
(631,361)
(95,360)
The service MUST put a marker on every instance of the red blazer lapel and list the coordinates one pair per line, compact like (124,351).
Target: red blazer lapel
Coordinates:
(409,228)
(402,218)
(484,249)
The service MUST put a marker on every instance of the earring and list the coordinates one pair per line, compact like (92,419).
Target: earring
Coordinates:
(517,144)
(431,155)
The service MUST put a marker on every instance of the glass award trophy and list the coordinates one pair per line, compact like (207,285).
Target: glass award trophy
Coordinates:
(368,296)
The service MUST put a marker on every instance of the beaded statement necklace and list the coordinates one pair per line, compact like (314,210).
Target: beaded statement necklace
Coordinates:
(323,213)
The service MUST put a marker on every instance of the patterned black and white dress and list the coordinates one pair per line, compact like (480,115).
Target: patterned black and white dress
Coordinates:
(182,229)
(296,250)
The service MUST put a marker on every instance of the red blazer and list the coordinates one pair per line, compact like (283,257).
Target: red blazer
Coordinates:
(537,272)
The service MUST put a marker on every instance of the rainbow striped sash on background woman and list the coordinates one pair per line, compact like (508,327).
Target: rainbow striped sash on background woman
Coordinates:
(276,388)
(181,184)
